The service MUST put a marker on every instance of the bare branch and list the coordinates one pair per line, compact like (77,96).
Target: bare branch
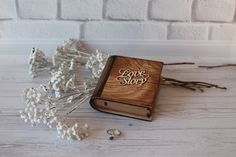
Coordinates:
(216,66)
(180,63)
(190,85)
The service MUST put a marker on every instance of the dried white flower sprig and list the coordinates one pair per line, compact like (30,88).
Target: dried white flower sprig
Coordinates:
(72,49)
(66,90)
(38,62)
(96,63)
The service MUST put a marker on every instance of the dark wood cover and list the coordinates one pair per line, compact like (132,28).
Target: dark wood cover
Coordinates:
(129,87)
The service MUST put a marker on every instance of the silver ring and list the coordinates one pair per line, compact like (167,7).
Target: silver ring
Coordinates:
(113,133)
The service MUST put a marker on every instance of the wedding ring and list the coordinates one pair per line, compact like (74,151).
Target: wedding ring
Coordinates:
(113,133)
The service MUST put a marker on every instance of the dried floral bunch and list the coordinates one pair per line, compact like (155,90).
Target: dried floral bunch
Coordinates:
(66,90)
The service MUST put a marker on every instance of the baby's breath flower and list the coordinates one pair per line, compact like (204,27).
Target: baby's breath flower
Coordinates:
(66,90)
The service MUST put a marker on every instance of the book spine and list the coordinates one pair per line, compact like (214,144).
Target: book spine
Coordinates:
(102,80)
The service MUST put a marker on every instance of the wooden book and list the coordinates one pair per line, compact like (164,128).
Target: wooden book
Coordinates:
(128,87)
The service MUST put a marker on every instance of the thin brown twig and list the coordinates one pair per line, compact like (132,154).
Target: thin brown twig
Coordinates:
(180,63)
(175,84)
(216,66)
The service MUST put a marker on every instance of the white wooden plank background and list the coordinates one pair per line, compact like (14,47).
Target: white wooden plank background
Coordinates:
(186,123)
